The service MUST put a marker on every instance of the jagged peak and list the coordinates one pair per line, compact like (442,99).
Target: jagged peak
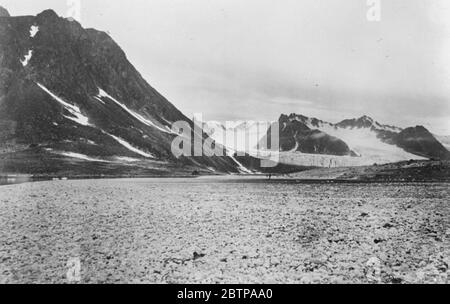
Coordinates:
(4,12)
(361,122)
(296,117)
(363,118)
(366,118)
(364,121)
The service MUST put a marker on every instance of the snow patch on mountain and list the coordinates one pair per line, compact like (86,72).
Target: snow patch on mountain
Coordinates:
(129,146)
(95,97)
(240,166)
(27,58)
(296,146)
(139,117)
(127,159)
(34,30)
(83,120)
(82,156)
(76,155)
(72,109)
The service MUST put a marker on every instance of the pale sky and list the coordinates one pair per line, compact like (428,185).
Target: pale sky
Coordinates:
(256,59)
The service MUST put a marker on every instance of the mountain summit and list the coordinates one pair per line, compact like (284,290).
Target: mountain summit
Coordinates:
(4,12)
(69,95)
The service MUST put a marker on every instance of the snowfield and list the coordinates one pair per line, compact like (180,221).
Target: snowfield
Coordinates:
(365,143)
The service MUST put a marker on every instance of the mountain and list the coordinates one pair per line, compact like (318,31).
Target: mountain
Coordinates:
(296,136)
(444,140)
(4,12)
(306,141)
(420,141)
(69,95)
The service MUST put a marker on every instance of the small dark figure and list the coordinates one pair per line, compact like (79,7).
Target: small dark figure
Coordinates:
(198,255)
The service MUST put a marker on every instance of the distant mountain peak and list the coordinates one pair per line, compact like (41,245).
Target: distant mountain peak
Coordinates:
(421,129)
(362,122)
(4,12)
(366,118)
(420,141)
(314,122)
(48,14)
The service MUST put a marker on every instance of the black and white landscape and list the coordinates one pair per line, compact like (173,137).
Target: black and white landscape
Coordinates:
(93,193)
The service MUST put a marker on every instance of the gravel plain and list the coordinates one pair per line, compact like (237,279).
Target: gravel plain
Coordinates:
(224,230)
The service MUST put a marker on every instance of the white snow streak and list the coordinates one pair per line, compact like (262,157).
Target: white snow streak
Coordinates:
(82,156)
(241,167)
(99,99)
(129,146)
(132,113)
(27,58)
(74,110)
(296,146)
(127,159)
(34,30)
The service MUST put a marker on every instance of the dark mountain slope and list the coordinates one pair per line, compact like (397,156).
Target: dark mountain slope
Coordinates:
(295,135)
(65,88)
(420,141)
(4,12)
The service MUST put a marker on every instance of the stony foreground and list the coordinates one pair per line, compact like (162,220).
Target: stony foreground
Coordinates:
(219,230)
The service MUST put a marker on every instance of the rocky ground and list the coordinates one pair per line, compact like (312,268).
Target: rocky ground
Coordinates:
(223,230)
(411,171)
